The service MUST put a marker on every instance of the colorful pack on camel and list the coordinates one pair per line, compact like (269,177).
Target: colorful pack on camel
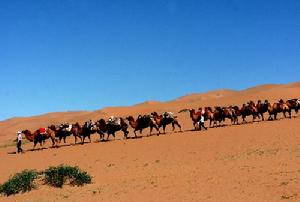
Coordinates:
(42,130)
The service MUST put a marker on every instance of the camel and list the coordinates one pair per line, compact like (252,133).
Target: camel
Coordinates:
(113,125)
(142,122)
(209,115)
(278,107)
(63,131)
(84,131)
(248,110)
(236,112)
(283,107)
(195,116)
(76,130)
(219,116)
(213,115)
(228,113)
(293,104)
(166,119)
(38,137)
(262,108)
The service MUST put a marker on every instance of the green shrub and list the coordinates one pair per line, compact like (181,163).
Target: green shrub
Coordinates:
(20,182)
(57,176)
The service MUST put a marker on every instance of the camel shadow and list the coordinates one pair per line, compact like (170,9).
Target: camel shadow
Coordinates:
(134,137)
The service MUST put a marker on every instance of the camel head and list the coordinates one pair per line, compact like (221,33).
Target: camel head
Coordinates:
(155,114)
(29,136)
(130,118)
(52,127)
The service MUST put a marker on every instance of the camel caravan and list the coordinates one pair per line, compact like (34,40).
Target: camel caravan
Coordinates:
(216,117)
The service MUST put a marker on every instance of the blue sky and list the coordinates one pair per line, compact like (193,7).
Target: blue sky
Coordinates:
(63,55)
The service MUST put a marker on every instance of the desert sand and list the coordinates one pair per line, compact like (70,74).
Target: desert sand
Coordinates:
(257,161)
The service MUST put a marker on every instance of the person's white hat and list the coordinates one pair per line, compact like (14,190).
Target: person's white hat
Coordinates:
(19,132)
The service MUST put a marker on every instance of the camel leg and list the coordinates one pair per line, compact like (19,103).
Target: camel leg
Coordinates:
(164,128)
(65,139)
(89,136)
(151,128)
(157,129)
(125,133)
(52,142)
(179,126)
(135,133)
(101,136)
(270,117)
(75,138)
(173,126)
(34,144)
(244,121)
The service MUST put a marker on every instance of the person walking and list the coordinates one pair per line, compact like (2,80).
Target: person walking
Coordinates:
(201,122)
(19,142)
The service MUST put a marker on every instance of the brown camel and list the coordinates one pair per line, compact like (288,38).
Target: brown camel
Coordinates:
(62,131)
(228,113)
(77,131)
(165,119)
(278,107)
(84,131)
(195,116)
(293,104)
(142,122)
(236,113)
(209,115)
(262,108)
(113,125)
(40,136)
(218,116)
(249,109)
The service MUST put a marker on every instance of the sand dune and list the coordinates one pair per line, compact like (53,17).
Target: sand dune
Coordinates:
(250,162)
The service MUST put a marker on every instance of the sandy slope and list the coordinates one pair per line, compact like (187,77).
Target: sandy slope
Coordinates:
(250,162)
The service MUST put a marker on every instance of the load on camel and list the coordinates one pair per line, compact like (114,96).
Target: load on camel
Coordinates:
(142,122)
(39,136)
(165,119)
